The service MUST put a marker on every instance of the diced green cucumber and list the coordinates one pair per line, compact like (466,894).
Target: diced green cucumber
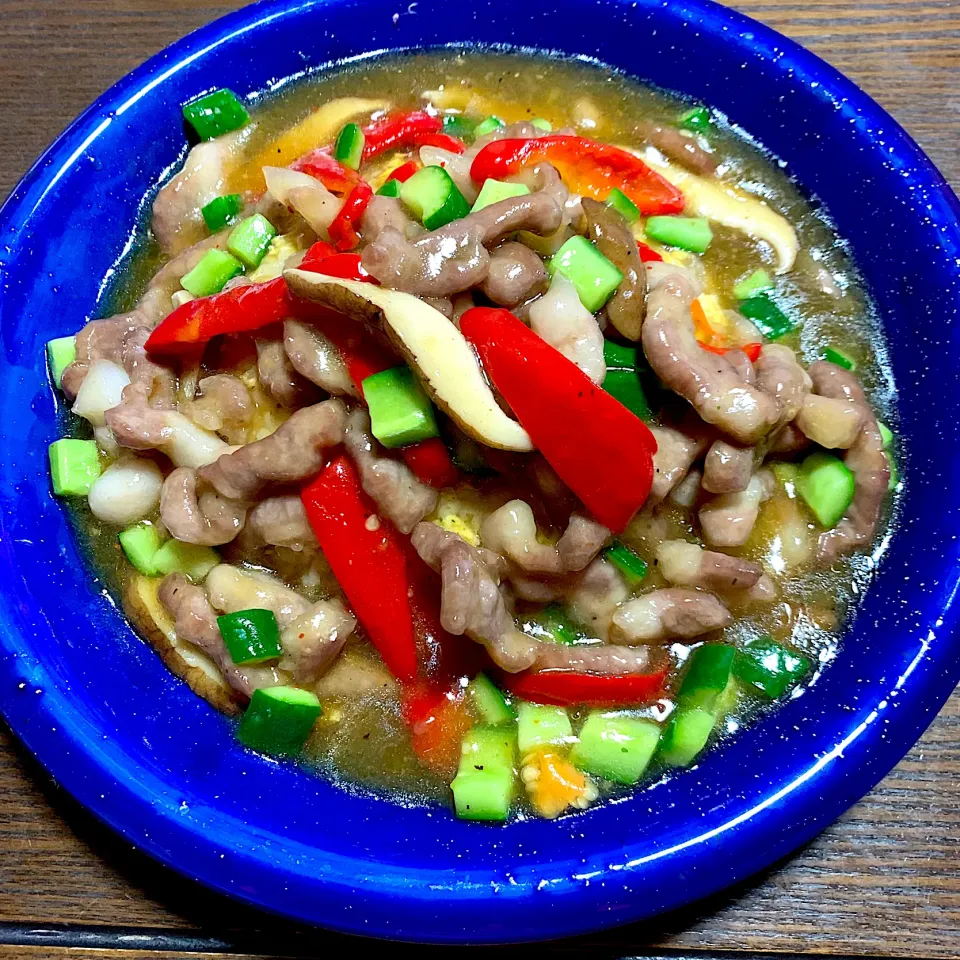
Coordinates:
(686,734)
(211,274)
(279,720)
(706,677)
(251,636)
(221,210)
(250,239)
(768,318)
(488,702)
(620,202)
(493,191)
(626,387)
(60,354)
(487,126)
(757,282)
(619,357)
(74,465)
(545,125)
(696,119)
(457,125)
(215,114)
(886,435)
(486,780)
(140,543)
(390,189)
(433,198)
(627,561)
(827,486)
(592,274)
(348,148)
(615,747)
(552,625)
(687,233)
(841,359)
(787,475)
(539,724)
(195,561)
(769,667)
(400,412)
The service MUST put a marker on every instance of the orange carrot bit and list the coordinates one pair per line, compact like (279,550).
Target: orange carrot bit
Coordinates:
(553,784)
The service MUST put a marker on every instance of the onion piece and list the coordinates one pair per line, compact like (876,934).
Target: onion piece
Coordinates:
(102,389)
(305,194)
(127,491)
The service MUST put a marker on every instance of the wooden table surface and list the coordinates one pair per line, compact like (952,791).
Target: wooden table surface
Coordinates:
(883,881)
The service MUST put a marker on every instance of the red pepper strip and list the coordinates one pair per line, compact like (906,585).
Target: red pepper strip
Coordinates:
(343,230)
(319,252)
(396,131)
(370,564)
(586,166)
(438,723)
(430,461)
(648,254)
(404,172)
(347,266)
(444,141)
(334,176)
(565,688)
(752,350)
(602,451)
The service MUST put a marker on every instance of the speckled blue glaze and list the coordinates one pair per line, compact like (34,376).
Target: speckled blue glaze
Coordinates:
(152,760)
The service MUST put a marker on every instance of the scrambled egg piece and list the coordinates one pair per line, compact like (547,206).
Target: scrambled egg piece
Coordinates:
(281,248)
(460,517)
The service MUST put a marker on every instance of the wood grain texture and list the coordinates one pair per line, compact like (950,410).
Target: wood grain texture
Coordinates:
(883,881)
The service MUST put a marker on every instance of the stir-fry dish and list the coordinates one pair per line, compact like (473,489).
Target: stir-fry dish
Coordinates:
(481,427)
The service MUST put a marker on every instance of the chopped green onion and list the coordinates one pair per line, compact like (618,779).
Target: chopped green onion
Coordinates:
(686,734)
(687,233)
(841,359)
(628,562)
(140,543)
(457,125)
(191,559)
(390,189)
(215,114)
(593,275)
(74,465)
(625,386)
(886,434)
(618,356)
(757,282)
(545,125)
(615,747)
(769,319)
(250,239)
(211,274)
(251,636)
(221,211)
(487,126)
(769,667)
(348,148)
(279,720)
(620,202)
(707,675)
(400,411)
(696,119)
(60,354)
(826,485)
(493,191)
(552,625)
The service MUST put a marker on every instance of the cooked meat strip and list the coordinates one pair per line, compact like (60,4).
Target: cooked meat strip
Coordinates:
(196,513)
(612,237)
(743,366)
(680,148)
(706,380)
(594,597)
(317,358)
(383,212)
(511,531)
(279,378)
(581,542)
(689,565)
(155,381)
(223,405)
(668,613)
(727,520)
(515,274)
(390,483)
(781,377)
(867,460)
(281,522)
(471,600)
(443,305)
(196,622)
(789,439)
(294,452)
(727,468)
(686,492)
(831,422)
(231,589)
(676,453)
(599,658)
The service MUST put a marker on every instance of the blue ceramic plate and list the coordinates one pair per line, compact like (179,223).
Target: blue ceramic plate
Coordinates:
(134,745)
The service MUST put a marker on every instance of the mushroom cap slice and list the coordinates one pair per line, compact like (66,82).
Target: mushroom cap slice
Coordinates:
(435,349)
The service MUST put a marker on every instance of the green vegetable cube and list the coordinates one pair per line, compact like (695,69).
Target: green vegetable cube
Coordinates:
(249,240)
(390,189)
(211,274)
(757,282)
(488,702)
(140,543)
(769,667)
(221,210)
(251,636)
(687,233)
(827,485)
(696,119)
(620,202)
(400,411)
(74,465)
(628,562)
(539,725)
(433,197)
(348,148)
(686,734)
(487,126)
(769,319)
(457,125)
(625,386)
(841,359)
(593,275)
(486,747)
(485,795)
(617,748)
(619,357)
(215,114)
(60,354)
(195,561)
(279,720)
(545,125)
(493,191)
(707,675)
(886,435)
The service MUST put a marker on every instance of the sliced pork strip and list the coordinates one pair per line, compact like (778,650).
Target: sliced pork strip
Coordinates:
(676,453)
(597,658)
(728,519)
(867,460)
(689,565)
(281,522)
(680,148)
(581,542)
(594,597)
(196,513)
(789,440)
(668,613)
(390,483)
(312,642)
(295,451)
(317,358)
(686,492)
(196,622)
(231,589)
(727,468)
(471,601)
(511,531)
(743,366)
(279,378)
(781,377)
(223,405)
(706,380)
(831,422)
(515,274)
(384,212)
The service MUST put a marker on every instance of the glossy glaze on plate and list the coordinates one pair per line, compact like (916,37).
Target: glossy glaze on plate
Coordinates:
(186,794)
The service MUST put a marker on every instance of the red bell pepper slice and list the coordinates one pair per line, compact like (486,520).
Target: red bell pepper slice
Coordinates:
(648,254)
(752,350)
(404,172)
(370,564)
(430,461)
(334,176)
(602,451)
(397,131)
(565,688)
(343,230)
(438,721)
(586,166)
(442,140)
(347,266)
(316,255)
